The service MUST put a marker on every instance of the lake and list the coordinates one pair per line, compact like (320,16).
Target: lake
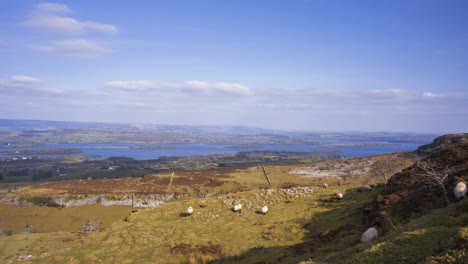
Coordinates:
(105,150)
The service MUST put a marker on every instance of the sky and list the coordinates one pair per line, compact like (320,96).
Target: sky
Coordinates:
(296,65)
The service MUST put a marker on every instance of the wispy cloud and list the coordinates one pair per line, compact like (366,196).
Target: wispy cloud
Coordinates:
(48,17)
(204,102)
(195,87)
(25,86)
(53,7)
(52,18)
(24,79)
(79,48)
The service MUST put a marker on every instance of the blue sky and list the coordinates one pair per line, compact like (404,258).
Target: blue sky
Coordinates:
(288,65)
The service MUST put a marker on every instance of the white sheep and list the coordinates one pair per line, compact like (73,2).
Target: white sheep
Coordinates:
(324,186)
(369,235)
(264,209)
(190,210)
(238,208)
(460,190)
(339,196)
(368,188)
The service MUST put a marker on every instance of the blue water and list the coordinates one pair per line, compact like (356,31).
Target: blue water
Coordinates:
(204,149)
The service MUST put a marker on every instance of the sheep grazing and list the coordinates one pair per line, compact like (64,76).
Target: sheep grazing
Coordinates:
(264,209)
(237,208)
(369,235)
(367,188)
(339,196)
(324,186)
(460,190)
(190,210)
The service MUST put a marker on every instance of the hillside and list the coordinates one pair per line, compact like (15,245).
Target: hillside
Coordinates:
(408,192)
(441,143)
(305,224)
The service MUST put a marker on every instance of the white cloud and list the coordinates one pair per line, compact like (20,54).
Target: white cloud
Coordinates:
(24,79)
(387,91)
(53,7)
(409,95)
(105,28)
(374,101)
(25,85)
(431,95)
(47,17)
(79,48)
(142,85)
(195,87)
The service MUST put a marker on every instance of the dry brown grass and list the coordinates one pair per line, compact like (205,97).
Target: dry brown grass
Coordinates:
(222,180)
(48,219)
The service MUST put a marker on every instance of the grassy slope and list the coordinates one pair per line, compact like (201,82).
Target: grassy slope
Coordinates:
(251,237)
(289,233)
(439,237)
(51,219)
(149,234)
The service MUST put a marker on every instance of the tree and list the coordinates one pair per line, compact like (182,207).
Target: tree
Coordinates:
(1,177)
(432,174)
(384,168)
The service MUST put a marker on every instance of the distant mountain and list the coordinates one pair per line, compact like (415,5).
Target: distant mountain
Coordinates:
(28,125)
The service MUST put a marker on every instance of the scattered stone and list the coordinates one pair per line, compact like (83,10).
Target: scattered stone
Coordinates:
(27,230)
(91,226)
(21,258)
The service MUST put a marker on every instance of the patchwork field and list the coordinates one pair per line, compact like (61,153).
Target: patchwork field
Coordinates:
(220,180)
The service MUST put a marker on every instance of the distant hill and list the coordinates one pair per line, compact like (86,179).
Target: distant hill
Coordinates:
(92,132)
(442,142)
(27,125)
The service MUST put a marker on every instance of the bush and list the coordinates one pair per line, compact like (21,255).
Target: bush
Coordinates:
(37,200)
(232,187)
(287,185)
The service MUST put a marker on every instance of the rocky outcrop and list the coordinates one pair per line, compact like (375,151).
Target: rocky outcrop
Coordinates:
(441,143)
(408,192)
(91,226)
(149,201)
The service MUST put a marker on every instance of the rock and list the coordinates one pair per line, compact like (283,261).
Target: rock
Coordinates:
(27,230)
(21,258)
(91,226)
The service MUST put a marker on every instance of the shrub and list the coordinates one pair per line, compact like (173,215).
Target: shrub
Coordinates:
(232,187)
(37,200)
(287,185)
